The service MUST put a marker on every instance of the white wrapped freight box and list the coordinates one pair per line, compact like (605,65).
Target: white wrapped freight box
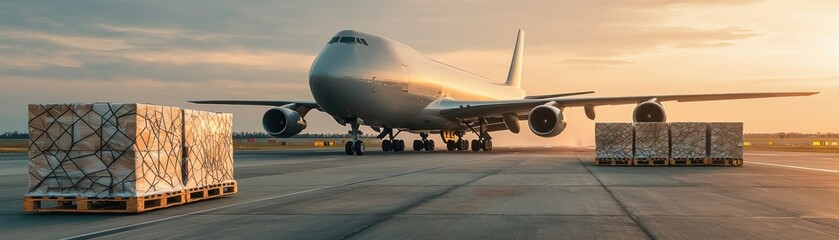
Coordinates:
(208,140)
(725,140)
(688,140)
(652,141)
(613,141)
(104,150)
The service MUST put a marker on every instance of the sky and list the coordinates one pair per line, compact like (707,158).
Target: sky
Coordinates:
(168,52)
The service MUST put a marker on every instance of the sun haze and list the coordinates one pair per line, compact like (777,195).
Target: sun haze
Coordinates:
(168,53)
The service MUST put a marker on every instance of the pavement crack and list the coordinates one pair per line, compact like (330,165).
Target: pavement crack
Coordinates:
(620,203)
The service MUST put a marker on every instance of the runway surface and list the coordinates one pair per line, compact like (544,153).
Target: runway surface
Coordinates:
(534,193)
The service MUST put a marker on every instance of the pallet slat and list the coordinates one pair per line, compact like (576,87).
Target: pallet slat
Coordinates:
(126,204)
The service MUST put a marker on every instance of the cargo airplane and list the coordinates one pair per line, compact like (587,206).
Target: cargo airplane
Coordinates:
(365,79)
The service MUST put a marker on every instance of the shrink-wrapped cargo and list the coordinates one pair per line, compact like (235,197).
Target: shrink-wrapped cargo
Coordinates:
(725,140)
(613,141)
(688,140)
(651,140)
(208,141)
(104,150)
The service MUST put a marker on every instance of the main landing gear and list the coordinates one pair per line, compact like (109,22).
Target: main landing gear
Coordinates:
(484,141)
(398,145)
(354,146)
(391,144)
(423,144)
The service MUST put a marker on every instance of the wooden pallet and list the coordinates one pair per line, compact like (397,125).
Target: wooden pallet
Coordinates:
(725,162)
(103,205)
(613,162)
(688,161)
(125,204)
(650,162)
(212,191)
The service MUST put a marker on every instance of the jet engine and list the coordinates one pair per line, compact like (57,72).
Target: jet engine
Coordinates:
(649,111)
(283,122)
(546,121)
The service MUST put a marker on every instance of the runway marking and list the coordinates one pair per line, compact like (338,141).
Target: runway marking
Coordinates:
(109,231)
(796,167)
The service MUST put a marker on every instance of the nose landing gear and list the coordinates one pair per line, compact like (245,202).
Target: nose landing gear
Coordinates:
(354,146)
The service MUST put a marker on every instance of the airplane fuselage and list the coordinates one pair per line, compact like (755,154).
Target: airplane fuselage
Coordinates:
(388,84)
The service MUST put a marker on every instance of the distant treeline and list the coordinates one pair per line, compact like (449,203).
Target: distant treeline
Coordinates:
(236,135)
(792,135)
(14,135)
(245,135)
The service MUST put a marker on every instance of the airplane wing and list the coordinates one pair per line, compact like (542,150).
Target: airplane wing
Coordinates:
(558,95)
(306,104)
(454,109)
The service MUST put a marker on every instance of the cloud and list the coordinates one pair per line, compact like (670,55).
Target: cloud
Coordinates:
(260,60)
(76,42)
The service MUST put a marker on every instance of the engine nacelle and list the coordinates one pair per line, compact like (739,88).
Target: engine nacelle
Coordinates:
(546,121)
(283,122)
(649,111)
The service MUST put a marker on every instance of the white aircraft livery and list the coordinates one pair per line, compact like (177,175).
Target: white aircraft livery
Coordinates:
(364,79)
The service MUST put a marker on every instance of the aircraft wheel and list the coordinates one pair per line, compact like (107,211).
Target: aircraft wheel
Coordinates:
(488,145)
(450,145)
(418,145)
(476,145)
(359,147)
(386,145)
(429,145)
(401,145)
(349,149)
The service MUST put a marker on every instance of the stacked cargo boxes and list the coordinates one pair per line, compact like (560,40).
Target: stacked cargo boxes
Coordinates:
(680,143)
(108,157)
(613,143)
(725,143)
(651,143)
(688,143)
(208,164)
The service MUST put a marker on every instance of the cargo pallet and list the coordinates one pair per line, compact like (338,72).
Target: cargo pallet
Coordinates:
(650,162)
(613,161)
(688,161)
(725,162)
(125,204)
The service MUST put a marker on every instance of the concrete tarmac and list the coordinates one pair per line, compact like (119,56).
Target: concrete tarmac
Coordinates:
(510,193)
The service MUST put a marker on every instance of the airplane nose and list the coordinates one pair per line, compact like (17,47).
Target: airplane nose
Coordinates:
(325,72)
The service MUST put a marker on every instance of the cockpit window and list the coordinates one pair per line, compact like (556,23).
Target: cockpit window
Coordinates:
(347,39)
(350,40)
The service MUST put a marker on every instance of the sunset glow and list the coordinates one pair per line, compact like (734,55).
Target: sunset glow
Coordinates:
(168,53)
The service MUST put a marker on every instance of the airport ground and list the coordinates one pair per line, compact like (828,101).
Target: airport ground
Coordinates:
(754,144)
(521,193)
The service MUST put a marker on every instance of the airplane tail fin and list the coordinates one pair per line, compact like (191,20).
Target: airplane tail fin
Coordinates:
(514,76)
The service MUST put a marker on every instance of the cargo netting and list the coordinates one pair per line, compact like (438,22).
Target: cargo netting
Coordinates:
(688,140)
(613,140)
(104,149)
(652,140)
(726,140)
(208,140)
